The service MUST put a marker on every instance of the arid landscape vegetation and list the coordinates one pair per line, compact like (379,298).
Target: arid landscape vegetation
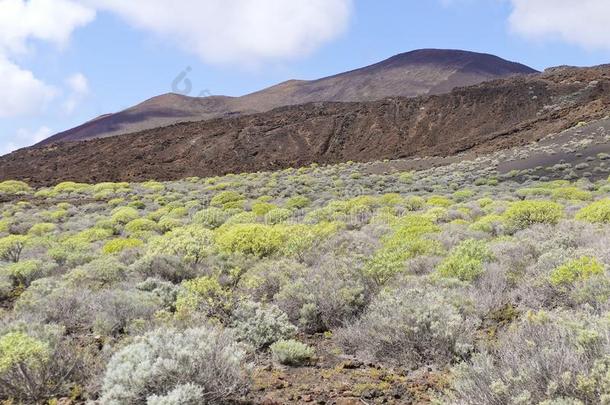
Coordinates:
(468,280)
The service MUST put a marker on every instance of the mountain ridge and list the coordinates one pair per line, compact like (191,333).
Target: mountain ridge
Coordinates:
(409,74)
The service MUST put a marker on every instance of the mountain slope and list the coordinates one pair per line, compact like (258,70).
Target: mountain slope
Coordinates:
(481,118)
(411,74)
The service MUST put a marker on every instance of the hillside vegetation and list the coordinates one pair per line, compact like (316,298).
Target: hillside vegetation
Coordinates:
(331,284)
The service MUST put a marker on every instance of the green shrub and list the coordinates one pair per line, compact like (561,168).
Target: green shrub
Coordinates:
(141,225)
(120,244)
(597,212)
(211,217)
(23,272)
(571,193)
(297,202)
(277,216)
(291,352)
(123,215)
(261,208)
(11,247)
(577,269)
(522,214)
(228,199)
(71,187)
(465,262)
(42,229)
(191,243)
(14,187)
(439,201)
(250,239)
(206,296)
(491,223)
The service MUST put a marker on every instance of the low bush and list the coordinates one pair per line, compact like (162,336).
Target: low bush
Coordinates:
(251,239)
(11,247)
(576,270)
(191,243)
(597,212)
(523,214)
(120,244)
(292,352)
(161,363)
(261,325)
(550,358)
(412,327)
(465,262)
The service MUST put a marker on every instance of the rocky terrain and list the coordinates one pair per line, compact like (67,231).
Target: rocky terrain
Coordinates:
(411,74)
(478,119)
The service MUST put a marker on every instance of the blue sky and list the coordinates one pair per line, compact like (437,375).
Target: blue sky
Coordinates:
(63,62)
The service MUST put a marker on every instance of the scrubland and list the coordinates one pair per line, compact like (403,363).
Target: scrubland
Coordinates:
(457,284)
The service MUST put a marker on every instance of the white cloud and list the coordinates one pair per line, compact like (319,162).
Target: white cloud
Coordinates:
(20,22)
(22,93)
(25,137)
(583,22)
(238,31)
(46,20)
(79,88)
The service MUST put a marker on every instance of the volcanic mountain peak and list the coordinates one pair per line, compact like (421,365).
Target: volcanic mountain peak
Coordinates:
(410,74)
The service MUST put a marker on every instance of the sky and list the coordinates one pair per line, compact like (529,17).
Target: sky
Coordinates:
(64,62)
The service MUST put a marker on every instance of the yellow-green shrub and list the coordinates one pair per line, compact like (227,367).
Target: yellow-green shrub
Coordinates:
(123,215)
(192,243)
(577,269)
(597,212)
(522,214)
(20,351)
(465,262)
(120,244)
(228,199)
(204,294)
(14,187)
(141,225)
(42,229)
(11,247)
(254,239)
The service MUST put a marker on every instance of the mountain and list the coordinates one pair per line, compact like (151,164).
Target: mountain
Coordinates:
(411,74)
(490,116)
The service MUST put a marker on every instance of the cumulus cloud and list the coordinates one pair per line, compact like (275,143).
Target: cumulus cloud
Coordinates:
(25,137)
(237,31)
(20,22)
(79,88)
(22,93)
(583,22)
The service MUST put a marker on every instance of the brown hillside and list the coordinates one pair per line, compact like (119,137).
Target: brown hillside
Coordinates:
(479,118)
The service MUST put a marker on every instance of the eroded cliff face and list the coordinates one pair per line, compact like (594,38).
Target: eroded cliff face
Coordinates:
(480,118)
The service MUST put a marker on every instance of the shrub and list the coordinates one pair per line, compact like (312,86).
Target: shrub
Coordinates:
(550,358)
(465,262)
(227,199)
(571,193)
(439,201)
(71,187)
(42,229)
(597,212)
(297,202)
(261,208)
(577,269)
(191,243)
(141,225)
(411,327)
(491,223)
(120,244)
(211,217)
(14,187)
(250,239)
(123,215)
(277,216)
(161,362)
(522,214)
(36,368)
(24,272)
(11,247)
(260,325)
(204,295)
(291,352)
